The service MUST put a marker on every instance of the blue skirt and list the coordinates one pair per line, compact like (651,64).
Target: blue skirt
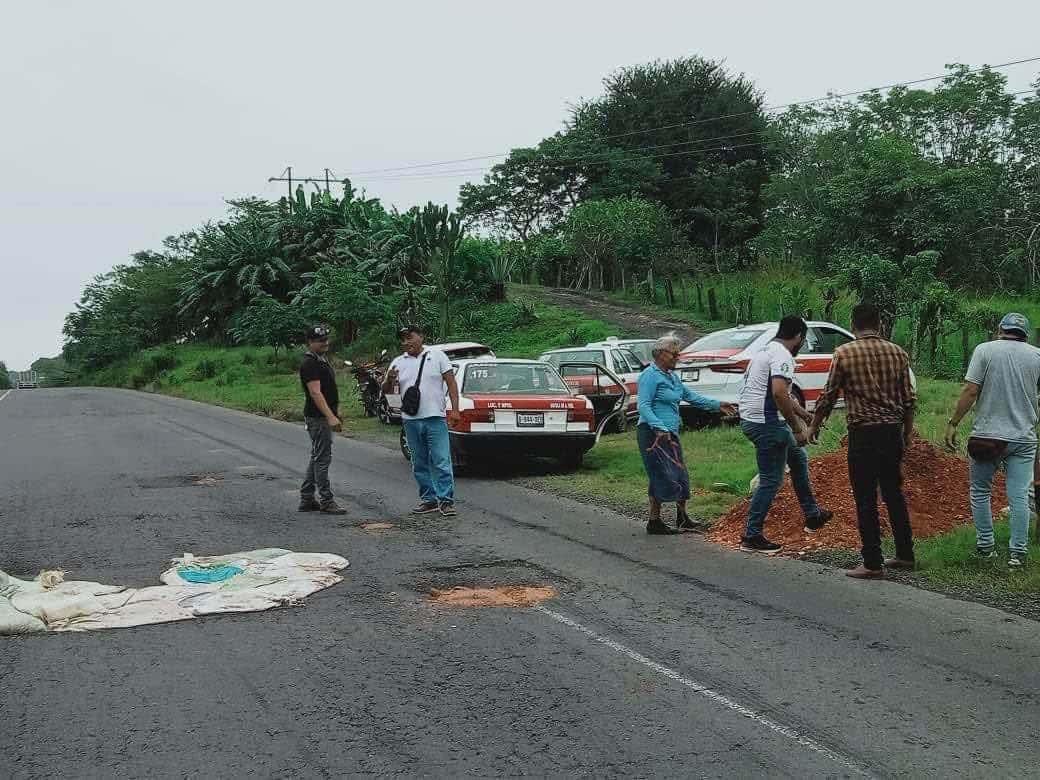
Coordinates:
(664,464)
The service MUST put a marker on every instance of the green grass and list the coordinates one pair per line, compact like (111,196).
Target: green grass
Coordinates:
(949,561)
(505,328)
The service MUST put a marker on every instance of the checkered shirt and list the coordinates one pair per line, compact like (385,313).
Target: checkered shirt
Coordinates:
(874,376)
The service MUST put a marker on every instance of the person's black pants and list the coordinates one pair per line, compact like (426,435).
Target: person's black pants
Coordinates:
(876,460)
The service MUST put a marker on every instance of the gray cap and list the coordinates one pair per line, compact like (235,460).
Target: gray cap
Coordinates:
(1015,321)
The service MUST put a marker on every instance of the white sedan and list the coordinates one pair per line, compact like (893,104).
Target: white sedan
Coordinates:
(714,365)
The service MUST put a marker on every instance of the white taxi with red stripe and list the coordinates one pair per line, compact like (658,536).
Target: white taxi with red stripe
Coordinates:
(614,356)
(714,365)
(519,407)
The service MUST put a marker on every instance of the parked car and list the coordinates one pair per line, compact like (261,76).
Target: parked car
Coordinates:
(615,358)
(641,348)
(714,365)
(512,408)
(389,406)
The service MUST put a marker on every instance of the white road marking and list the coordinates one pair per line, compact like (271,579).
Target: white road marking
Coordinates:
(708,693)
(2,397)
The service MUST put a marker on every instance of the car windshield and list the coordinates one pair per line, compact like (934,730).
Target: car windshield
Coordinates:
(513,378)
(576,356)
(726,340)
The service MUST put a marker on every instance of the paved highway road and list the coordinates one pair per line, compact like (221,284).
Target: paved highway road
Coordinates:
(660,657)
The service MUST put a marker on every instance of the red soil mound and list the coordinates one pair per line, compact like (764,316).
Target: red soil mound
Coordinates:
(935,486)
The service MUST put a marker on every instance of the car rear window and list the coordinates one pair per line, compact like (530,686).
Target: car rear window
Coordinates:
(726,339)
(512,379)
(644,350)
(464,353)
(576,356)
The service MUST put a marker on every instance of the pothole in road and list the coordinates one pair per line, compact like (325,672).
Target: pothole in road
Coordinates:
(497,583)
(374,526)
(500,596)
(198,480)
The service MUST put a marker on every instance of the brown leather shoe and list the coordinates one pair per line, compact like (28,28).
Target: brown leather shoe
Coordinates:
(899,563)
(863,573)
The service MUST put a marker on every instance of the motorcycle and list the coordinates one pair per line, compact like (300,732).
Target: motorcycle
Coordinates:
(369,378)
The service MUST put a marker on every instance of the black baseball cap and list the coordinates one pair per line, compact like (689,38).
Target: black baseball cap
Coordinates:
(408,330)
(318,333)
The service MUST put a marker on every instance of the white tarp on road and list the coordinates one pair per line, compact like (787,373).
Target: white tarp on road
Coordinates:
(253,581)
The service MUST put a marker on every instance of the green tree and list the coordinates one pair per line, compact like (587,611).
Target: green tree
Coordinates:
(267,322)
(345,298)
(5,379)
(438,235)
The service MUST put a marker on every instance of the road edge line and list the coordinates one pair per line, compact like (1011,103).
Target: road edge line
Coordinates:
(2,397)
(746,712)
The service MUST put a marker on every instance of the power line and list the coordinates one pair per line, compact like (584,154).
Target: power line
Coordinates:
(550,161)
(838,96)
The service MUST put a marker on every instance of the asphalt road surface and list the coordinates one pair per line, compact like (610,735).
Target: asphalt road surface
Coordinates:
(660,656)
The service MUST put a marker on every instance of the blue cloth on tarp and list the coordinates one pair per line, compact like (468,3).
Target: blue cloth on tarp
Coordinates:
(208,574)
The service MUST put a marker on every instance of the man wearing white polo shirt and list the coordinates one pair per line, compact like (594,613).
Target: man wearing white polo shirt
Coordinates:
(776,424)
(427,429)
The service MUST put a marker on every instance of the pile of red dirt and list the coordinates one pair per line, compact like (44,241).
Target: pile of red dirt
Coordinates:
(935,486)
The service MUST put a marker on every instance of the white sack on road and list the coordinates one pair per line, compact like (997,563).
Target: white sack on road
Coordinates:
(268,578)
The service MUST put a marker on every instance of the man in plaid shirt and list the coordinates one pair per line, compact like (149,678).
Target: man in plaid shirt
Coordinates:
(874,376)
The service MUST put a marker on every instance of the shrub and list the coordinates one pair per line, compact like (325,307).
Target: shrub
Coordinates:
(207,368)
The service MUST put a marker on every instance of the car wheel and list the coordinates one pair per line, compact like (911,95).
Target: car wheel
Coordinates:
(405,450)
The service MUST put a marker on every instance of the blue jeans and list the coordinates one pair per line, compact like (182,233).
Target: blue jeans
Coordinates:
(1018,463)
(775,447)
(431,458)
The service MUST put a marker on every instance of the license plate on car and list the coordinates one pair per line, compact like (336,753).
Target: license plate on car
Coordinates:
(691,376)
(530,420)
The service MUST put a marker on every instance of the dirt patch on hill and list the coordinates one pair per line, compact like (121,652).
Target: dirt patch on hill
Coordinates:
(935,486)
(630,321)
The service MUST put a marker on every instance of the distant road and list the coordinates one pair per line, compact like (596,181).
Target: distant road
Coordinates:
(660,657)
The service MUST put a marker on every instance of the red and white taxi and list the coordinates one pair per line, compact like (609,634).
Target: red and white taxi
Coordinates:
(715,364)
(389,408)
(520,408)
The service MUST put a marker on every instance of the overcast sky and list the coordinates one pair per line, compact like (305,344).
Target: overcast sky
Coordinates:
(124,122)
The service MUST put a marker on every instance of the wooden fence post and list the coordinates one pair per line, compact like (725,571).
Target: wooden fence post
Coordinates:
(965,348)
(713,305)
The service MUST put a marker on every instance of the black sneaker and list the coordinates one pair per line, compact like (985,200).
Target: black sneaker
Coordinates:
(660,529)
(425,508)
(309,505)
(814,524)
(332,508)
(986,553)
(447,509)
(759,544)
(1017,560)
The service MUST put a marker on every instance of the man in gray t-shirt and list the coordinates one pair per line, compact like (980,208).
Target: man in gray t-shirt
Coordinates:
(1002,384)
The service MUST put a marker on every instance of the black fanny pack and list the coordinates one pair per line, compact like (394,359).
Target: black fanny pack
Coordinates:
(986,450)
(412,397)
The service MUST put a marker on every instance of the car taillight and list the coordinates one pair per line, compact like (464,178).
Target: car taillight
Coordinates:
(470,416)
(580,415)
(730,368)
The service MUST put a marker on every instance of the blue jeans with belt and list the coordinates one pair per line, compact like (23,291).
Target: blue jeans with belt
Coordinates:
(1017,461)
(776,447)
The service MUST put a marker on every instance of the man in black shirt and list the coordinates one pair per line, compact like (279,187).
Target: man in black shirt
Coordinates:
(321,411)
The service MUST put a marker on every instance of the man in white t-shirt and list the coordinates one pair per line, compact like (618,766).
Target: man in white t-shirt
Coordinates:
(776,424)
(427,430)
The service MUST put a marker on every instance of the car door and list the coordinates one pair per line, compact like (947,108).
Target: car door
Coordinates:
(628,367)
(813,365)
